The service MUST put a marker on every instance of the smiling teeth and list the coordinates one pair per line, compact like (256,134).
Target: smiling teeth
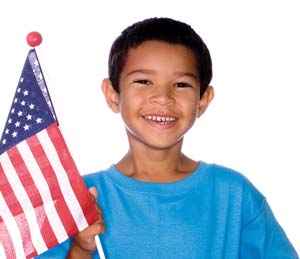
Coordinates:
(160,118)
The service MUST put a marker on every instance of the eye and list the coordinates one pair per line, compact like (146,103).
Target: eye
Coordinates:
(142,81)
(182,85)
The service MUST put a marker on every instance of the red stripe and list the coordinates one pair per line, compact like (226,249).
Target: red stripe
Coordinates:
(51,178)
(35,198)
(17,211)
(75,178)
(6,241)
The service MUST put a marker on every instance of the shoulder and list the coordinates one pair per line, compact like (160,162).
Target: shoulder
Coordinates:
(235,187)
(233,180)
(97,178)
(229,178)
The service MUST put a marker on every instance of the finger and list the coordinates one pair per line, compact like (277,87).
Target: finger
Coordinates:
(86,239)
(93,192)
(99,210)
(97,228)
(100,219)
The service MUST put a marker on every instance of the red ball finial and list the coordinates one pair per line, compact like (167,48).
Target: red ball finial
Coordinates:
(34,39)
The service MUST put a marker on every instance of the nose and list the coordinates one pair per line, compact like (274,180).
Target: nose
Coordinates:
(162,95)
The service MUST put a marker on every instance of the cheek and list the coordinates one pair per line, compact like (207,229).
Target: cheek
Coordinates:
(130,99)
(191,106)
(129,106)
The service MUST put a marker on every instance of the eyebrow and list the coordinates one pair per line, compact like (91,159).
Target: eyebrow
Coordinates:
(143,71)
(188,74)
(149,71)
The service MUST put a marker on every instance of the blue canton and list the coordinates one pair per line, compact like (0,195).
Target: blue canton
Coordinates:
(31,110)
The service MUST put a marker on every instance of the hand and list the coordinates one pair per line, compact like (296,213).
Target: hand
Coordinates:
(84,243)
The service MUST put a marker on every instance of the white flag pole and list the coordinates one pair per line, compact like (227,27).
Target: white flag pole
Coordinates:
(99,247)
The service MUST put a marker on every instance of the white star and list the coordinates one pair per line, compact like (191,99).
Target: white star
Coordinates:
(14,134)
(9,121)
(12,110)
(20,113)
(17,124)
(25,92)
(38,120)
(29,117)
(15,100)
(26,127)
(23,103)
(21,80)
(3,141)
(6,131)
(31,106)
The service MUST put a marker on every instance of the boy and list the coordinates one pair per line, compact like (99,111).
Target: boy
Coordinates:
(156,202)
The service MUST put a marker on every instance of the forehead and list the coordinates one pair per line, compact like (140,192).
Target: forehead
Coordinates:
(161,55)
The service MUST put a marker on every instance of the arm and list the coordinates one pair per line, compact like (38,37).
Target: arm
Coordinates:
(263,238)
(83,244)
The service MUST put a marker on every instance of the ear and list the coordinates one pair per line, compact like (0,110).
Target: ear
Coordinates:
(110,94)
(205,100)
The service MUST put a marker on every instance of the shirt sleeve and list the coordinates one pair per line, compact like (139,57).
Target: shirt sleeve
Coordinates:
(263,238)
(60,251)
(57,252)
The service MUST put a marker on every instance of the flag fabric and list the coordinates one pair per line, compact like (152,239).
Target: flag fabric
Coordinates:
(43,199)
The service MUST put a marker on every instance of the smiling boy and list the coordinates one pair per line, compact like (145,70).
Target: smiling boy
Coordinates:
(159,101)
(157,202)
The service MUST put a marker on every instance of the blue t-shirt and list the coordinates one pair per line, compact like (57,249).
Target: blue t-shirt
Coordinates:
(214,213)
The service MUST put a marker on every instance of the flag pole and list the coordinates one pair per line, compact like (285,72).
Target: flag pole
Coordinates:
(34,40)
(99,247)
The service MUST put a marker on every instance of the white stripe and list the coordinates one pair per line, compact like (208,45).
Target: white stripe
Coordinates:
(63,180)
(21,195)
(12,228)
(43,188)
(2,252)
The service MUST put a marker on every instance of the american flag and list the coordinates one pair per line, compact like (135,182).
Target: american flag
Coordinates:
(43,199)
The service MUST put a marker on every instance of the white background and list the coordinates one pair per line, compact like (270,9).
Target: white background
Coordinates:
(253,123)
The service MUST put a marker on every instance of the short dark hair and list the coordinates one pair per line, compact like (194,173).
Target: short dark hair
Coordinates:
(163,29)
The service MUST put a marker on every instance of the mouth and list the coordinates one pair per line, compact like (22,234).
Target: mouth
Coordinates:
(161,119)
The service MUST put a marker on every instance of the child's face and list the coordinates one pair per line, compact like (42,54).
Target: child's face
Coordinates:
(159,96)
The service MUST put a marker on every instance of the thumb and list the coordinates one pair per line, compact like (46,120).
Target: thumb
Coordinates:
(93,192)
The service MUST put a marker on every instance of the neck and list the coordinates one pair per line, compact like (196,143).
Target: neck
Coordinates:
(156,165)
